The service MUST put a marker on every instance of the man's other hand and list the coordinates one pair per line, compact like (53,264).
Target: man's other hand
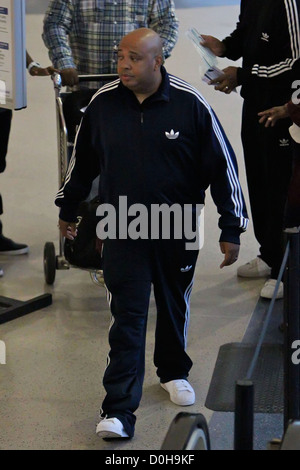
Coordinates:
(231,252)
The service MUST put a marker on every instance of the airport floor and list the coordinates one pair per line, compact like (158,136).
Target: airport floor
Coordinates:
(51,385)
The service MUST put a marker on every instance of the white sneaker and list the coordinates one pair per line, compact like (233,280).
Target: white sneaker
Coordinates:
(111,428)
(255,268)
(269,289)
(181,392)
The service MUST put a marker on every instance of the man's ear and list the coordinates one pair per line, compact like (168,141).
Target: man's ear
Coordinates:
(158,62)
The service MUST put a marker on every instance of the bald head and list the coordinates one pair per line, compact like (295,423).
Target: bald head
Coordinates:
(140,56)
(144,38)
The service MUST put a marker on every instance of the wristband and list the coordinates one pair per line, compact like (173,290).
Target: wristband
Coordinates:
(33,64)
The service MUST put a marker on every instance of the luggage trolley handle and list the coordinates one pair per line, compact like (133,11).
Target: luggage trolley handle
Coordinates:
(57,80)
(62,149)
(62,132)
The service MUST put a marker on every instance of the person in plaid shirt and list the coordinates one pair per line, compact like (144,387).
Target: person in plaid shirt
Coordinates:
(82,36)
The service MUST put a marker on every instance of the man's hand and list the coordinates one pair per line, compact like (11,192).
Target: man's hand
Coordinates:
(227,81)
(231,252)
(42,71)
(271,116)
(214,44)
(69,77)
(68,229)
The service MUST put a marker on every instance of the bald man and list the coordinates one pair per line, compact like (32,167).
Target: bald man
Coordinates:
(158,146)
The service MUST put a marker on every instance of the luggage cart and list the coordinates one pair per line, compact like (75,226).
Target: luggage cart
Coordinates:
(53,261)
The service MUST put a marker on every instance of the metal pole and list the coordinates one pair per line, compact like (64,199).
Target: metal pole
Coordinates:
(244,415)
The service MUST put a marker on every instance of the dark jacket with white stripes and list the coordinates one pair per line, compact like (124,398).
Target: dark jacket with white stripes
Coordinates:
(267,38)
(127,143)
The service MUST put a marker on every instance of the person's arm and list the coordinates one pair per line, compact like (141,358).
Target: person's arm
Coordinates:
(162,19)
(219,162)
(231,46)
(68,229)
(82,170)
(35,69)
(58,22)
(288,47)
(231,253)
(291,109)
(269,117)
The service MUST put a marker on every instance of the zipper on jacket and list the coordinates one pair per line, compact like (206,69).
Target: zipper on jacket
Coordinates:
(142,117)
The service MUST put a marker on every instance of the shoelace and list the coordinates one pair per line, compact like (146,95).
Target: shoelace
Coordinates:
(109,419)
(181,386)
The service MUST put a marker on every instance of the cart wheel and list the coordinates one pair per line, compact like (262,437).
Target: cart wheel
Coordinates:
(49,262)
(188,431)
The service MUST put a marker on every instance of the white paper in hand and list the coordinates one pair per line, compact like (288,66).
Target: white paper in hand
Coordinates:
(209,60)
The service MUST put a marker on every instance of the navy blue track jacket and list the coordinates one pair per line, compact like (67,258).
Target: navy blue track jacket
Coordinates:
(129,144)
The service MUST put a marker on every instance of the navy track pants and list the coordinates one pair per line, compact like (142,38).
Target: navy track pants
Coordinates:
(131,267)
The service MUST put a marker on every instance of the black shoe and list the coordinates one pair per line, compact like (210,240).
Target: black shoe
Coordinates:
(1,272)
(9,247)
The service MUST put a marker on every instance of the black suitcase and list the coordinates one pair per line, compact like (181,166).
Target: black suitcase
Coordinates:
(85,250)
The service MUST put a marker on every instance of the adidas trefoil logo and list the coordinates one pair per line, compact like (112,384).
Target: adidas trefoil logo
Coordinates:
(186,269)
(265,37)
(284,142)
(172,135)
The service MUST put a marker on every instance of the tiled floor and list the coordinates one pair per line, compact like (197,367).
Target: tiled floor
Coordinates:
(50,387)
